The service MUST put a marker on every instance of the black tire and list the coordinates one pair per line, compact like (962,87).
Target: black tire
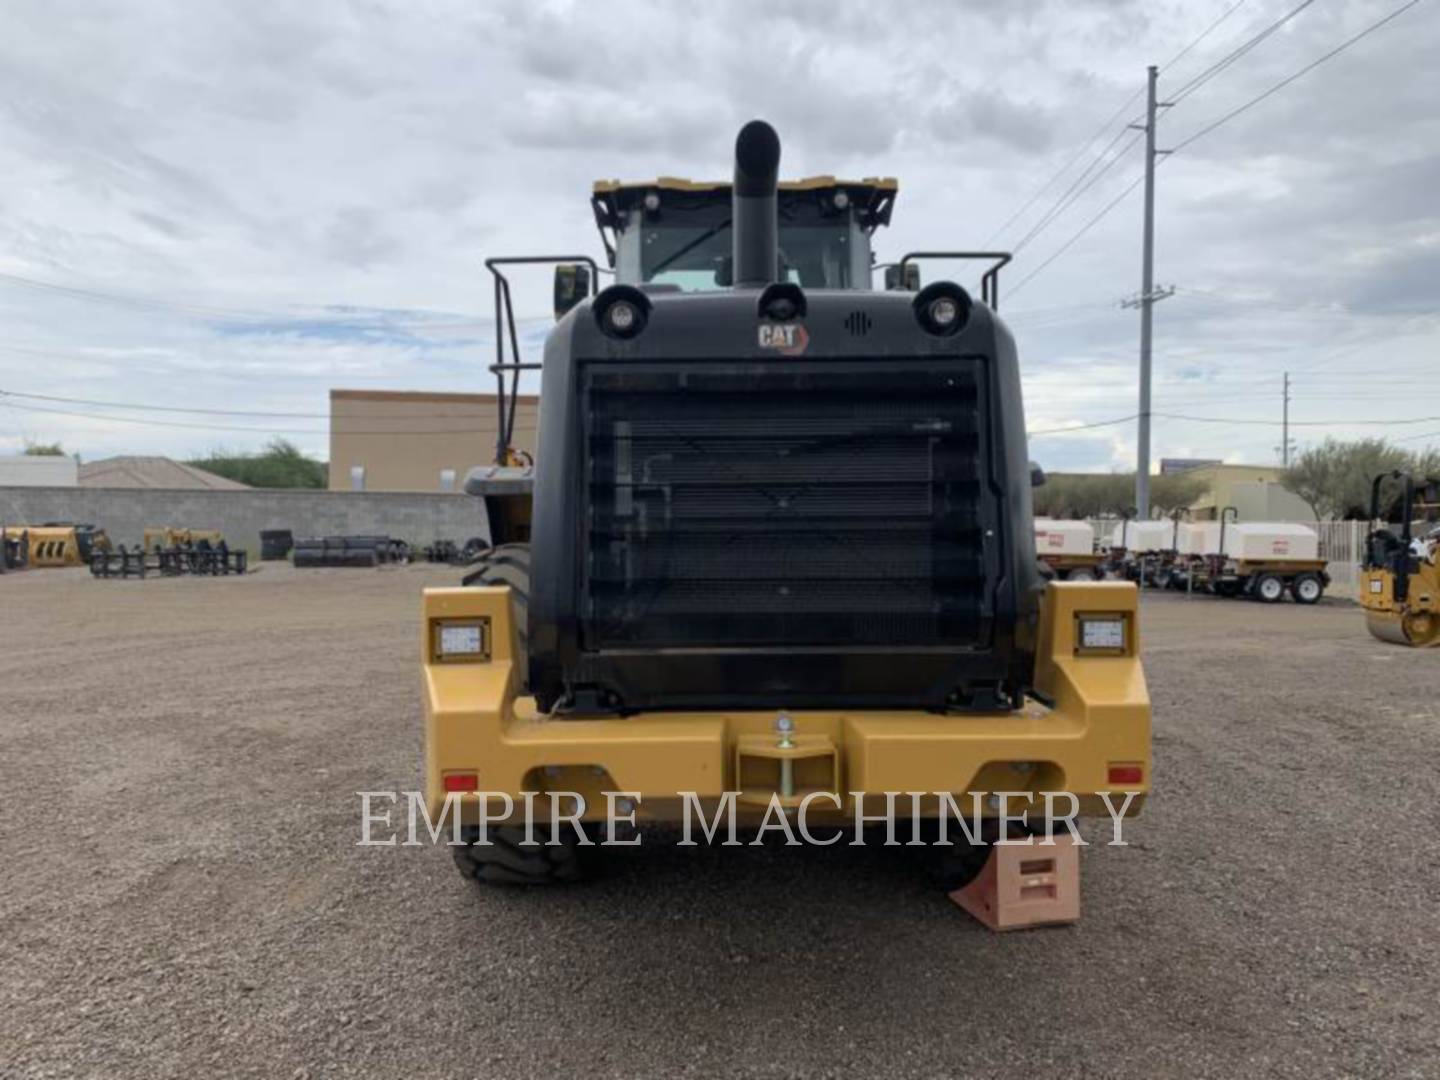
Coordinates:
(1307,588)
(960,863)
(1268,588)
(509,564)
(503,861)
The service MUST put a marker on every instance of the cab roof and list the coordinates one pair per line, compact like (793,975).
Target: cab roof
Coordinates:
(872,197)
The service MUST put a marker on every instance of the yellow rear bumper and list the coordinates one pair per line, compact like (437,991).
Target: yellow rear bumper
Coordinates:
(476,726)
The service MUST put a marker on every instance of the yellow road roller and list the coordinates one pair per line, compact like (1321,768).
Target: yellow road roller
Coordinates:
(1400,580)
(780,560)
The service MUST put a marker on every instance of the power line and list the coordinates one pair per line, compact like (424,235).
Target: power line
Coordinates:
(1233,113)
(1082,231)
(1217,123)
(1124,107)
(146,422)
(1230,58)
(237,314)
(1071,195)
(1082,427)
(164,408)
(1301,423)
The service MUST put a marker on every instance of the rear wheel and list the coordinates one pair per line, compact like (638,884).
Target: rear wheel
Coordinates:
(509,564)
(1269,588)
(1307,589)
(503,860)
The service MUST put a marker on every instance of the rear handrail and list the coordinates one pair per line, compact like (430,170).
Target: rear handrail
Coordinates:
(505,306)
(989,280)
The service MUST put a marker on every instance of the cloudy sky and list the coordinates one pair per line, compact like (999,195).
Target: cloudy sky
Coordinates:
(227,206)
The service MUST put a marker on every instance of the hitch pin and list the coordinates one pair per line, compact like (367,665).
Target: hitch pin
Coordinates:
(786,728)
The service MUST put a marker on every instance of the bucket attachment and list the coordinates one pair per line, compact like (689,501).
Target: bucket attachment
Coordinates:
(1024,885)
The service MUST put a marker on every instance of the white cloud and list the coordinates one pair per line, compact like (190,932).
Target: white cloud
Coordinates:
(286,159)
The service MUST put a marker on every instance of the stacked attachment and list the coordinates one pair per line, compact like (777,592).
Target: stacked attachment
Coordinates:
(193,560)
(354,551)
(447,551)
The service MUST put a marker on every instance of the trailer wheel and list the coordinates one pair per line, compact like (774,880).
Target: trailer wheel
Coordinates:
(1269,588)
(1080,573)
(503,861)
(1307,588)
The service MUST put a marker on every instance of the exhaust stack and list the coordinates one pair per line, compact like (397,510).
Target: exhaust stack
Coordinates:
(754,213)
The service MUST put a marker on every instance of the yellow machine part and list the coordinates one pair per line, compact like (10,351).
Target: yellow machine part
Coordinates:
(1414,621)
(480,734)
(48,545)
(169,536)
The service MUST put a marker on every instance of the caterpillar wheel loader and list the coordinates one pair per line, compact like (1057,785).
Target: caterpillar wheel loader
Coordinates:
(778,545)
(1400,578)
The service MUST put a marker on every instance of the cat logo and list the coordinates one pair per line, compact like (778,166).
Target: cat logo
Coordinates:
(788,339)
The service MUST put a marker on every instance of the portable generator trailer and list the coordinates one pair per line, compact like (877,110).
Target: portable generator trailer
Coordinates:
(1400,579)
(1068,548)
(1258,560)
(781,545)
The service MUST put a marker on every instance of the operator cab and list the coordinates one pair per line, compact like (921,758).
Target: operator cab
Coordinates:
(672,234)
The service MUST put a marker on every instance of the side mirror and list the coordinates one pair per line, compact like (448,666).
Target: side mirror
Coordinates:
(1037,475)
(572,284)
(909,283)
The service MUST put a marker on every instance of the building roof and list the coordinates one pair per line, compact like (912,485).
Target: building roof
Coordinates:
(425,397)
(152,472)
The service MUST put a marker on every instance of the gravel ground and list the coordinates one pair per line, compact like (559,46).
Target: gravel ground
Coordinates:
(182,893)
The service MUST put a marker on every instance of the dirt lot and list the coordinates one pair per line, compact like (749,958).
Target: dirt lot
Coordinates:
(182,893)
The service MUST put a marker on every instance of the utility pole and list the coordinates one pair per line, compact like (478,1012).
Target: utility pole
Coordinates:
(1285,426)
(1147,302)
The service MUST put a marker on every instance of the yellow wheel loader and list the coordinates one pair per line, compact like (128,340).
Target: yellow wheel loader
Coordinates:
(778,555)
(1400,579)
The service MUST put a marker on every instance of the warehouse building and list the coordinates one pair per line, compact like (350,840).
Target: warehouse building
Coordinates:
(388,440)
(1254,490)
(38,470)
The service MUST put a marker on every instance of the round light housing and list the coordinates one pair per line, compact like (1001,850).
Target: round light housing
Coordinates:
(942,308)
(944,311)
(622,317)
(621,311)
(842,200)
(652,201)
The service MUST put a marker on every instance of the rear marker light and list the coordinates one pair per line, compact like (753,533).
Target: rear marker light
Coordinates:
(465,781)
(1126,774)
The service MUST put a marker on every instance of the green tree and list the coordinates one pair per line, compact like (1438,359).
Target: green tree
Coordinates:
(279,465)
(36,449)
(1082,495)
(1334,477)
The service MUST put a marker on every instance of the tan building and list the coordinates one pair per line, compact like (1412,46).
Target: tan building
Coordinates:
(389,440)
(1254,490)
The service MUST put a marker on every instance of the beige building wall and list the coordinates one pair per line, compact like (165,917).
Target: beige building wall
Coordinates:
(1254,490)
(389,440)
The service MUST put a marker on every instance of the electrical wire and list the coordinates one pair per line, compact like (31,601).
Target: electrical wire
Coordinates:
(146,422)
(1230,58)
(1124,107)
(1233,113)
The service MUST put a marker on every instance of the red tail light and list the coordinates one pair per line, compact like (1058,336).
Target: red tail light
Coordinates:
(1126,774)
(462,781)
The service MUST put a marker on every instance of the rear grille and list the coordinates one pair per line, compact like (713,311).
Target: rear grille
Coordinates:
(785,504)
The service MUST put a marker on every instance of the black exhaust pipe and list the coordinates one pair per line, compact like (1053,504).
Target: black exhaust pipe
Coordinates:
(754,216)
